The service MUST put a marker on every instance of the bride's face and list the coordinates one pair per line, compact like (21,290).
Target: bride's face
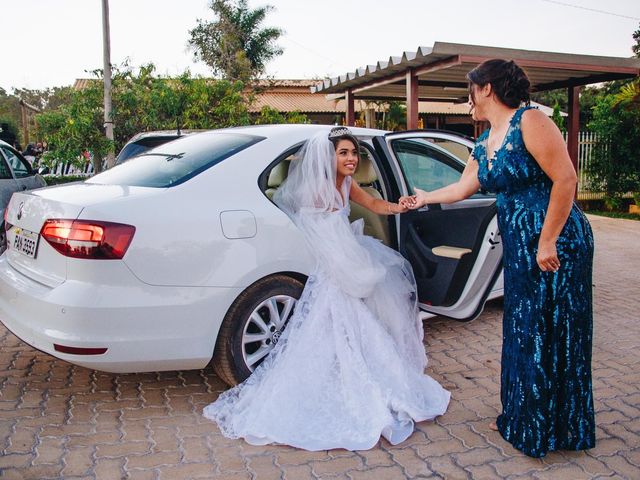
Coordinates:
(346,157)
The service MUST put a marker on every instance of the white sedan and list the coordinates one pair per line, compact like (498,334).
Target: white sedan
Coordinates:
(179,257)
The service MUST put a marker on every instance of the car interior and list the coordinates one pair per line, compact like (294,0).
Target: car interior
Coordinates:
(442,244)
(376,226)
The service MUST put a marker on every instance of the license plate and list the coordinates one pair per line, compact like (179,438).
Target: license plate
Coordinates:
(26,242)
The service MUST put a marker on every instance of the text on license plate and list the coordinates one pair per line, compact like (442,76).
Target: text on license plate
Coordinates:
(26,242)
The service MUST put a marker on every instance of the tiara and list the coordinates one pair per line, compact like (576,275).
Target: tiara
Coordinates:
(340,132)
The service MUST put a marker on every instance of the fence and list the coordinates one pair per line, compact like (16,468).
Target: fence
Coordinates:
(64,168)
(586,144)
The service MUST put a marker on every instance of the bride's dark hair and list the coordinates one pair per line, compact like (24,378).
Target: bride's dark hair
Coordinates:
(343,133)
(508,81)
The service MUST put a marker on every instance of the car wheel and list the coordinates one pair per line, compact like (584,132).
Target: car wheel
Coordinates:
(252,326)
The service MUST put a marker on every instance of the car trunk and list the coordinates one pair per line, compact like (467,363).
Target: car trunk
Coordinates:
(27,251)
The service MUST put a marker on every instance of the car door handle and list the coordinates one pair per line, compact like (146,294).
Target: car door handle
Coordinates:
(24,187)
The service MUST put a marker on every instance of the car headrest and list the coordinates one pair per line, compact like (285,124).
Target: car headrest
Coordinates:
(278,174)
(365,173)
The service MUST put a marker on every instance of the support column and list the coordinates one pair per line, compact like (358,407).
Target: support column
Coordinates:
(350,114)
(412,100)
(573,125)
(25,124)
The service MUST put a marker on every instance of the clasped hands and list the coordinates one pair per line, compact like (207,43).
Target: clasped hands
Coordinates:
(413,202)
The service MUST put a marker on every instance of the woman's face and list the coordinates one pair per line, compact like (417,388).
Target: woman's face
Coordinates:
(478,99)
(346,157)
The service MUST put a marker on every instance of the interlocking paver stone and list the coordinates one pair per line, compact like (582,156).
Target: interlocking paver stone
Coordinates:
(66,422)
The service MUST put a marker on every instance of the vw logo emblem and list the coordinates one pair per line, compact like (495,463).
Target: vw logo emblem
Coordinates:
(20,208)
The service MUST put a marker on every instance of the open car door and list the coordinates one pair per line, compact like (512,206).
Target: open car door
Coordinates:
(455,250)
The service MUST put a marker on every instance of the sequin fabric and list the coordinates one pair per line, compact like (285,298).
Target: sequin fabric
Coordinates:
(546,394)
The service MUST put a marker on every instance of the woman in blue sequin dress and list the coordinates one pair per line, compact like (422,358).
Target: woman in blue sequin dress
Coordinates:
(546,394)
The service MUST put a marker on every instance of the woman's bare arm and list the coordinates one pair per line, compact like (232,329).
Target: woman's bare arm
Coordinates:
(376,205)
(545,143)
(463,188)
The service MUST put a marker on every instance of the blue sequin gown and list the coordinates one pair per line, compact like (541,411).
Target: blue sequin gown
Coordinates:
(546,394)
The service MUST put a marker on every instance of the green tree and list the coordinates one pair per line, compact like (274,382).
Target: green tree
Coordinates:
(557,117)
(10,109)
(615,165)
(588,97)
(8,130)
(142,101)
(75,128)
(46,98)
(394,117)
(269,115)
(235,45)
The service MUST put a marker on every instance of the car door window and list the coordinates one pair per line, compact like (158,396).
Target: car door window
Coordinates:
(5,173)
(425,167)
(20,166)
(457,149)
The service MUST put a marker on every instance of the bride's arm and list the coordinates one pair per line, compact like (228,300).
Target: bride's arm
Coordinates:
(376,205)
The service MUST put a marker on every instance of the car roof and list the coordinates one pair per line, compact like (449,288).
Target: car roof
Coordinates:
(283,129)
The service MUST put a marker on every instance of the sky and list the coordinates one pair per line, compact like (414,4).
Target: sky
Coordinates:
(50,43)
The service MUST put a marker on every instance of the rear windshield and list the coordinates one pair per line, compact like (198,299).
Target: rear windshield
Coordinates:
(136,148)
(176,162)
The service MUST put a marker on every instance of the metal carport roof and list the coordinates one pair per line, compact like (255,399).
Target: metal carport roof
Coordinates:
(441,71)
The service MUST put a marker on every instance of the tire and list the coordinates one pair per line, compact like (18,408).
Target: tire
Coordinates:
(253,325)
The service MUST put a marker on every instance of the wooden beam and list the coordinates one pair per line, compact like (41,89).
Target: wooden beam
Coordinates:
(573,125)
(580,81)
(397,77)
(350,114)
(439,65)
(412,100)
(436,83)
(558,65)
(401,76)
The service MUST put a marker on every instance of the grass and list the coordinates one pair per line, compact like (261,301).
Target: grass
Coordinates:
(58,179)
(626,215)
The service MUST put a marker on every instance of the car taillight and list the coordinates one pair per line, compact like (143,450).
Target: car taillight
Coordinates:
(7,225)
(88,238)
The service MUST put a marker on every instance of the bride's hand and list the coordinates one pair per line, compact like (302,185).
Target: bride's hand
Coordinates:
(399,207)
(406,202)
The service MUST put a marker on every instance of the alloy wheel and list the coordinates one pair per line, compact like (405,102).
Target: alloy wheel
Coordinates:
(264,327)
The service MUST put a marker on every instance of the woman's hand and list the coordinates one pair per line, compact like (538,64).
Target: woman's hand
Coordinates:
(418,200)
(547,257)
(406,202)
(399,207)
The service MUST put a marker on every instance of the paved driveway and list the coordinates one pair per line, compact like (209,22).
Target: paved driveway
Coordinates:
(61,421)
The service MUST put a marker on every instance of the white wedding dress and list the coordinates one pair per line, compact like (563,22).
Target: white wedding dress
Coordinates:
(349,367)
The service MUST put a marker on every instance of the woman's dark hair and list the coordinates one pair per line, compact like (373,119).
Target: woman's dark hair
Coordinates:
(508,81)
(343,133)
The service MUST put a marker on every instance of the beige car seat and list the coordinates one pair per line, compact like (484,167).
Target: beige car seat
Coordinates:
(375,225)
(277,175)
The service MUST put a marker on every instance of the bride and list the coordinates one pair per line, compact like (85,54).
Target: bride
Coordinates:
(349,367)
